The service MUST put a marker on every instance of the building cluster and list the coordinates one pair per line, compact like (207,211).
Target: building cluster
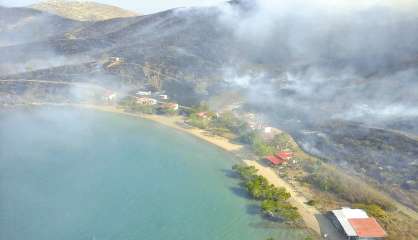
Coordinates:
(149,98)
(110,96)
(257,124)
(355,224)
(280,158)
(203,115)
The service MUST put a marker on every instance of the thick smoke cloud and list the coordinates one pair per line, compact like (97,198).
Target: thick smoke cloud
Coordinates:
(348,59)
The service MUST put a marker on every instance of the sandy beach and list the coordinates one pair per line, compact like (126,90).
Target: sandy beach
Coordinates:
(311,216)
(175,122)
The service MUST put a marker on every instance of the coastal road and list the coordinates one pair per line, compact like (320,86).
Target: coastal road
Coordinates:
(314,219)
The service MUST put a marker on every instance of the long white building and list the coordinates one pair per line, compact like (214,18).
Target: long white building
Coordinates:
(357,225)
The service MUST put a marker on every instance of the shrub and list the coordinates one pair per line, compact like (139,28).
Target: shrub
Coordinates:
(198,122)
(373,210)
(311,202)
(330,180)
(247,173)
(274,199)
(280,209)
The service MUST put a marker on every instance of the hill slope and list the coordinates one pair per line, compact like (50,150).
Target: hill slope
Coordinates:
(83,10)
(23,25)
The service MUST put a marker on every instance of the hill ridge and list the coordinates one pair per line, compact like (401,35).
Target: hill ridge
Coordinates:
(83,10)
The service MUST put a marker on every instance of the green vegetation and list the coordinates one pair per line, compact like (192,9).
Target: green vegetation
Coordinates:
(229,125)
(262,147)
(166,111)
(280,209)
(273,199)
(229,121)
(225,125)
(260,189)
(373,210)
(347,188)
(258,145)
(144,109)
(129,103)
(196,121)
(396,225)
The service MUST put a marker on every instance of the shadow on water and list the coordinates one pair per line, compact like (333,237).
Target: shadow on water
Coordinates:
(231,173)
(268,224)
(240,192)
(253,209)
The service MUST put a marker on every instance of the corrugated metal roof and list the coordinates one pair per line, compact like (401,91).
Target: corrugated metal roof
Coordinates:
(345,214)
(354,213)
(348,229)
(274,160)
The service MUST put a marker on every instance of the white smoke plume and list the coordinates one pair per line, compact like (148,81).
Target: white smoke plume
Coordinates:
(332,56)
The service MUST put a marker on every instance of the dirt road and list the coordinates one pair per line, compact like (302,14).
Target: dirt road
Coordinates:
(312,217)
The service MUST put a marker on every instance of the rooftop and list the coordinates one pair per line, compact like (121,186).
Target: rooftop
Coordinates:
(284,155)
(367,227)
(275,160)
(356,223)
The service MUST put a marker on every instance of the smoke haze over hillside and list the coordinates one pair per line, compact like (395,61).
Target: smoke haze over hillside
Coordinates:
(352,59)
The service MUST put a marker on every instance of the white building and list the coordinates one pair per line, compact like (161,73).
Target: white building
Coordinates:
(163,97)
(143,93)
(355,224)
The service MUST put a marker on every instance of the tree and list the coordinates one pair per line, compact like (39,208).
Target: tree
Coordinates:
(246,172)
(261,148)
(280,209)
(274,199)
(257,187)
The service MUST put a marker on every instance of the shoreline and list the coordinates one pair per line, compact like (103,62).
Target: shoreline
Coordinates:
(313,219)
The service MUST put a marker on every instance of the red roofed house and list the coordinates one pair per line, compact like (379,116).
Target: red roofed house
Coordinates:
(367,228)
(357,225)
(284,155)
(203,114)
(275,160)
(171,106)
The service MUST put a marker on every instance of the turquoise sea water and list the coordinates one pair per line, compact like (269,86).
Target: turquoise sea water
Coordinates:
(78,175)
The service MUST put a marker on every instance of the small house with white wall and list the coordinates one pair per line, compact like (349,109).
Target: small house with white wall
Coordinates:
(163,97)
(144,93)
